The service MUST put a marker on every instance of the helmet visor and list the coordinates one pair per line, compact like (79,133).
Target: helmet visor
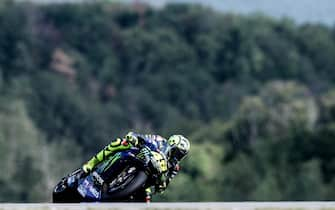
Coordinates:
(177,153)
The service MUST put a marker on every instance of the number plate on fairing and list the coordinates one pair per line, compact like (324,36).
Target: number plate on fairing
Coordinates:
(88,190)
(82,190)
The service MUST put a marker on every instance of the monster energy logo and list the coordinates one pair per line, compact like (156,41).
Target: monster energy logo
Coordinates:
(143,154)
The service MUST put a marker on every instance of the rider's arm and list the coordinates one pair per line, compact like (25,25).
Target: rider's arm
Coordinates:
(154,142)
(173,171)
(116,145)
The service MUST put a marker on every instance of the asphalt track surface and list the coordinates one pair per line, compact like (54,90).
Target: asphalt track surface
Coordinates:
(175,206)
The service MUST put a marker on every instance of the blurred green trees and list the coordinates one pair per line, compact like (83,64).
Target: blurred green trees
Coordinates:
(255,96)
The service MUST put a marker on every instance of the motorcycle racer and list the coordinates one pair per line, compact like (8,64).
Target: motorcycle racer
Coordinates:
(175,149)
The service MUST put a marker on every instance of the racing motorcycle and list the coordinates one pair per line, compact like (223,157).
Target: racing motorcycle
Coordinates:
(123,177)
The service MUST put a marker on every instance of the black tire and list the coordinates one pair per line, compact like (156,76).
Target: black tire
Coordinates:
(63,194)
(133,185)
(59,192)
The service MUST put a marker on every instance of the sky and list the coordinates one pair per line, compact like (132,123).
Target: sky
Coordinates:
(302,11)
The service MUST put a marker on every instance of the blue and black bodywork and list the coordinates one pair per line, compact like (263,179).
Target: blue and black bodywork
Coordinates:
(123,177)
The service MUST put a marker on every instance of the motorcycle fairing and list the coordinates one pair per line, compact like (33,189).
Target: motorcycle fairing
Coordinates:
(88,188)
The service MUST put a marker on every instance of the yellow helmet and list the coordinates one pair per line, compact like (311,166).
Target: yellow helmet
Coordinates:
(179,147)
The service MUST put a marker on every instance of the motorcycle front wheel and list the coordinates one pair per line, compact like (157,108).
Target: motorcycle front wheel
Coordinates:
(128,182)
(64,194)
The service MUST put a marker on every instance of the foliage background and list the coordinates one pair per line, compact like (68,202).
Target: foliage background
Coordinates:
(255,96)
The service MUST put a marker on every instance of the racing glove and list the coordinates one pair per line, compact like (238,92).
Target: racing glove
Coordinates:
(81,173)
(161,184)
(172,173)
(160,188)
(86,168)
